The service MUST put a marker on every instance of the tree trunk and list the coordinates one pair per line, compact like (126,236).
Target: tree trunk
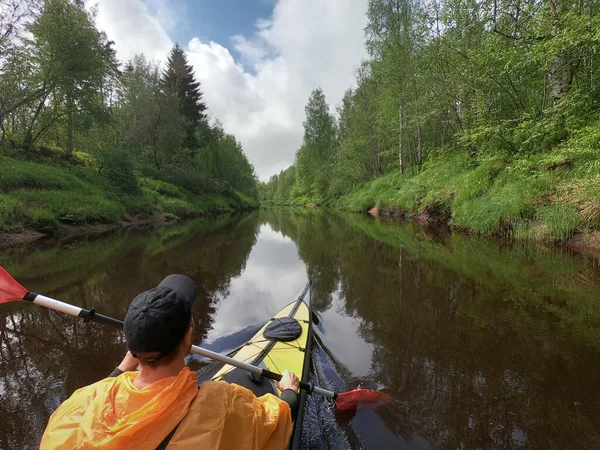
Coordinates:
(69,148)
(400,130)
(380,168)
(418,127)
(28,140)
(561,71)
(561,77)
(156,161)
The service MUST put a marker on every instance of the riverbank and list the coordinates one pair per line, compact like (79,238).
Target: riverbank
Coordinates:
(40,200)
(545,197)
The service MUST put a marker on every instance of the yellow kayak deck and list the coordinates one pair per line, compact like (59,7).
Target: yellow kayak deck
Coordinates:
(276,355)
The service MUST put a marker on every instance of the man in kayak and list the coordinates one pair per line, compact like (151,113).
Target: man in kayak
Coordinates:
(160,406)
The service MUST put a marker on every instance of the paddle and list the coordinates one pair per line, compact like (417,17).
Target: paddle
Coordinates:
(11,290)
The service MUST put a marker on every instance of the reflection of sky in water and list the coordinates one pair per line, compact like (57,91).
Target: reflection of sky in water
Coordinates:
(273,276)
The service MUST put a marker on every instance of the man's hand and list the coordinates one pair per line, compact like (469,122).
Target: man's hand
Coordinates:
(129,363)
(289,380)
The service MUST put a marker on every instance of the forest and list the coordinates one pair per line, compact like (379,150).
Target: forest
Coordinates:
(479,113)
(86,138)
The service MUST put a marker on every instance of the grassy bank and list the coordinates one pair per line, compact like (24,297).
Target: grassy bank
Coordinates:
(43,197)
(542,196)
(539,197)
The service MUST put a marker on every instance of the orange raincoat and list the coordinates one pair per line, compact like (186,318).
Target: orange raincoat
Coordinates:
(114,414)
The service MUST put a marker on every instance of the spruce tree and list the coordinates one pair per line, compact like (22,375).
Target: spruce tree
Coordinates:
(179,80)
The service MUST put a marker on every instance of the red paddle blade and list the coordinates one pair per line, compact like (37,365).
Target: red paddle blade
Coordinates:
(349,400)
(10,290)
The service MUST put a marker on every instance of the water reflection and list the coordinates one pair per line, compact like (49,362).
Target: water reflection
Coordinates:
(482,346)
(45,356)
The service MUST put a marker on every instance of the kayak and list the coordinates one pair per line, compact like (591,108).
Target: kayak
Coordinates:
(283,343)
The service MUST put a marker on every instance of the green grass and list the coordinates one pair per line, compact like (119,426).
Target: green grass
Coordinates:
(42,196)
(9,212)
(18,174)
(555,221)
(543,196)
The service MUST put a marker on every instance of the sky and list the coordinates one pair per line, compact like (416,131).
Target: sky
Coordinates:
(257,60)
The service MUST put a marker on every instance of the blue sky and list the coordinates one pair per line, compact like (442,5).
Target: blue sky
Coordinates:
(212,20)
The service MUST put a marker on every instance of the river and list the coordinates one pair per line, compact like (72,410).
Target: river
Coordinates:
(482,345)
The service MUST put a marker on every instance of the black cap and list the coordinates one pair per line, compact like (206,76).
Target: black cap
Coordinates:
(158,319)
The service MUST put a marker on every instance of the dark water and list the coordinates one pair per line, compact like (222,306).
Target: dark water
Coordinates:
(482,346)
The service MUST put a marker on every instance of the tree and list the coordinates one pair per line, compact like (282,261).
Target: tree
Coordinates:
(14,16)
(392,41)
(315,158)
(69,62)
(358,158)
(61,89)
(15,57)
(179,80)
(153,129)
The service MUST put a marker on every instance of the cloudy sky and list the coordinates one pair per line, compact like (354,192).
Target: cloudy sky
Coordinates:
(257,60)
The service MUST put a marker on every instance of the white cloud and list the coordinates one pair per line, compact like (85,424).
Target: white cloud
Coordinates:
(129,24)
(304,45)
(169,13)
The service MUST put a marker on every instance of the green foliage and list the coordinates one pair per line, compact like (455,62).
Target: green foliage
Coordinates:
(17,174)
(139,205)
(43,219)
(42,197)
(161,188)
(9,213)
(75,207)
(84,159)
(314,159)
(179,80)
(541,196)
(556,222)
(81,136)
(117,166)
(468,111)
(71,58)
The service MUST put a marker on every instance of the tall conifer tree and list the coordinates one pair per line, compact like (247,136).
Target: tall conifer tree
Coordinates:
(178,78)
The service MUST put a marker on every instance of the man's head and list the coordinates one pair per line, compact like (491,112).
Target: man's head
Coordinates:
(158,323)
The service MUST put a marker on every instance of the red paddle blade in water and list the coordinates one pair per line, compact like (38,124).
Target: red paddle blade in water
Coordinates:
(10,290)
(349,400)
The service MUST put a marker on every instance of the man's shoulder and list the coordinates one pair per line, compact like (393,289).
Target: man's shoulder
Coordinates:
(94,388)
(222,392)
(210,388)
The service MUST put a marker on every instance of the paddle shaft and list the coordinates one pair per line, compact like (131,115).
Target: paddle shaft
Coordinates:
(91,314)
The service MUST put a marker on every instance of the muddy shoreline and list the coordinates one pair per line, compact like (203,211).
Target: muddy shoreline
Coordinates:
(584,243)
(65,233)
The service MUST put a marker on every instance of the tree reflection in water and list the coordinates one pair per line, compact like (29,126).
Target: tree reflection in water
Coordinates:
(482,345)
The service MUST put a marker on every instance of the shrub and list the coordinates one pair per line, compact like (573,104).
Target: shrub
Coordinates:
(117,166)
(84,159)
(163,188)
(140,204)
(51,151)
(175,206)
